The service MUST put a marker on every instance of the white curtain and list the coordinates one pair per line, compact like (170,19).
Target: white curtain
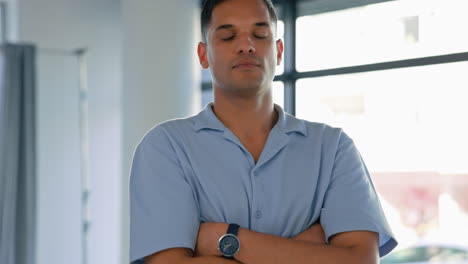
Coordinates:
(17,154)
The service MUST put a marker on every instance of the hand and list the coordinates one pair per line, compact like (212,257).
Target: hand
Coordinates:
(314,234)
(208,237)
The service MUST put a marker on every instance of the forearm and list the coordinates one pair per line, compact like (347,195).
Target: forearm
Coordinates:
(185,256)
(308,247)
(208,260)
(259,248)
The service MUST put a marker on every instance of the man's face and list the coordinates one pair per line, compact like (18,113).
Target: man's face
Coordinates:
(241,47)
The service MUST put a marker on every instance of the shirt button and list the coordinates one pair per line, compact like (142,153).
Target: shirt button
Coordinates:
(258,214)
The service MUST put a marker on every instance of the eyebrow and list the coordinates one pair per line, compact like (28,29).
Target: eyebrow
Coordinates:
(262,24)
(228,26)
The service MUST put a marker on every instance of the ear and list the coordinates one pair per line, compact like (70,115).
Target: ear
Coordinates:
(279,51)
(202,55)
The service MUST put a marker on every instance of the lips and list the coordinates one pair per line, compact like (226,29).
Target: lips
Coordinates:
(246,63)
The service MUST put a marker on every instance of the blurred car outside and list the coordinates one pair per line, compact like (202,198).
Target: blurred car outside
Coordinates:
(428,254)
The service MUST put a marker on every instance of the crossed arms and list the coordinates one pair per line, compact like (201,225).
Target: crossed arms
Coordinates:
(358,247)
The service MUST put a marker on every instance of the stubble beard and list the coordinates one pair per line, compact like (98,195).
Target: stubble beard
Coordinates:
(245,88)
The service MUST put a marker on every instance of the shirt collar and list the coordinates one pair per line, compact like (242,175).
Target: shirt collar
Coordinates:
(287,123)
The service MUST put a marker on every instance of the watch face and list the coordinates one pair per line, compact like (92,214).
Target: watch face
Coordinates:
(229,245)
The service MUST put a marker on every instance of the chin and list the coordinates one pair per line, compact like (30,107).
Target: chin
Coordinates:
(251,85)
(247,82)
(247,89)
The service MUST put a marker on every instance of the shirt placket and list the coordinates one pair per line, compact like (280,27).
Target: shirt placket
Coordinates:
(257,214)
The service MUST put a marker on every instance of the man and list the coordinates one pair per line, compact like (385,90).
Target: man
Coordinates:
(244,182)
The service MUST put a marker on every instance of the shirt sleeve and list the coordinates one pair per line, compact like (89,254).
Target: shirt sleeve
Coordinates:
(163,210)
(351,202)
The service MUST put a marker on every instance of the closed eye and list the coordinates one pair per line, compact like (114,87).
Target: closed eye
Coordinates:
(232,37)
(229,38)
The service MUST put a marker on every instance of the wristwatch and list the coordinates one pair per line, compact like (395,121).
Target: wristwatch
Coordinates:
(229,243)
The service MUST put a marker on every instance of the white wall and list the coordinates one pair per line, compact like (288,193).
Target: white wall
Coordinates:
(58,164)
(161,73)
(156,79)
(11,19)
(67,25)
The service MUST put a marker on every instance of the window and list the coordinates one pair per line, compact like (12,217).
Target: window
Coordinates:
(392,75)
(388,31)
(413,114)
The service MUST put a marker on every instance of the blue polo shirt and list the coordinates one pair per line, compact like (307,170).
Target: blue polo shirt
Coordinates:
(193,170)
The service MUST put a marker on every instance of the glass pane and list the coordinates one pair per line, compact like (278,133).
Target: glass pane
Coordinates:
(411,128)
(278,93)
(388,31)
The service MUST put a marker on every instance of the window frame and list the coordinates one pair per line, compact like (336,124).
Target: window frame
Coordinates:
(289,13)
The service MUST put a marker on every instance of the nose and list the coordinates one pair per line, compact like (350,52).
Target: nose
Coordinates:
(245,44)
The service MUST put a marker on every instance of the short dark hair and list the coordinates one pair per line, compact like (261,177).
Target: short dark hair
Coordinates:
(209,5)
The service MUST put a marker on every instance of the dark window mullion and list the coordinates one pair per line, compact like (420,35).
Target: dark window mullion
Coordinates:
(289,11)
(387,65)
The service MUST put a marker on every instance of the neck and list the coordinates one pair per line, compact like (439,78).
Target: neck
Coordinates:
(246,116)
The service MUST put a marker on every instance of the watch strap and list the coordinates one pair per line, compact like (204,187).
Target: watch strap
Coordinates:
(233,229)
